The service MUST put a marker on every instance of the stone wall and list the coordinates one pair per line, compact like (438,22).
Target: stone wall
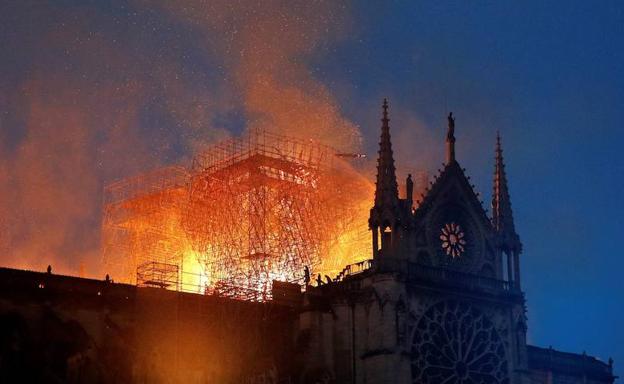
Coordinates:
(67,329)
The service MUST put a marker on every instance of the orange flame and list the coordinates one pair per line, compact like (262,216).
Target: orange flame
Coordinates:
(251,210)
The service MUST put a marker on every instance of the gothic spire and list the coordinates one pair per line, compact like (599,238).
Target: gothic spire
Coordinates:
(386,191)
(450,140)
(502,217)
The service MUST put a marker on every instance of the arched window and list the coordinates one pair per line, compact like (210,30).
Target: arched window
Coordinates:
(386,236)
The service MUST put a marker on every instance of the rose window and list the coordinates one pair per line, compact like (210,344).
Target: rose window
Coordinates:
(453,242)
(455,343)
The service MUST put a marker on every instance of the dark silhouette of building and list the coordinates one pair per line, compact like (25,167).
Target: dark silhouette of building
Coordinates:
(440,301)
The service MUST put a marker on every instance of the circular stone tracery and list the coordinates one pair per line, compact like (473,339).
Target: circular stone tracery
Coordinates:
(466,258)
(455,343)
(453,241)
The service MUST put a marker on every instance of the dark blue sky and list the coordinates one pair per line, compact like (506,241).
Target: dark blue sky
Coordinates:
(550,77)
(93,91)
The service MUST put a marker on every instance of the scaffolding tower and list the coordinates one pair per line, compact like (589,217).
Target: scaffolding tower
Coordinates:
(250,210)
(252,215)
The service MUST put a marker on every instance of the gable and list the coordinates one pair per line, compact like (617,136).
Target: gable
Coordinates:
(453,225)
(452,185)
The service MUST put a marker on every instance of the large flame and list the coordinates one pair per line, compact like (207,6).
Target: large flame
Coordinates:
(251,210)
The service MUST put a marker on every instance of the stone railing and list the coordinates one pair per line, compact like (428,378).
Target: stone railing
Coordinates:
(422,273)
(354,269)
(573,364)
(418,272)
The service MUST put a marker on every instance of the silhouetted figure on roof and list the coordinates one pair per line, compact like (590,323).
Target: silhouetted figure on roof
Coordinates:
(306,275)
(107,278)
(49,269)
(319,280)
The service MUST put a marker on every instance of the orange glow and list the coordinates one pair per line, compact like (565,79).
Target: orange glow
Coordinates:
(250,210)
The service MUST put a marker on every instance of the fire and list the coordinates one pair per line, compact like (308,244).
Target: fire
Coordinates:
(194,277)
(249,211)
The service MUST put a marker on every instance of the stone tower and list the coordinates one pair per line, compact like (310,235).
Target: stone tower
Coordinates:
(389,214)
(439,301)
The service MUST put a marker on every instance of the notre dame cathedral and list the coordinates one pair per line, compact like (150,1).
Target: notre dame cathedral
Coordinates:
(441,299)
(440,302)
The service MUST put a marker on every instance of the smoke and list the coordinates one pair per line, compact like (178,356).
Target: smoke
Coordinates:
(415,145)
(90,94)
(64,136)
(267,47)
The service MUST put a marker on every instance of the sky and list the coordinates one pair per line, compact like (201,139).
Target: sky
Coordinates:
(94,91)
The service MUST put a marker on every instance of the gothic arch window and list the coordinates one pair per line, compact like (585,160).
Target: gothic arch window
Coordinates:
(386,236)
(455,343)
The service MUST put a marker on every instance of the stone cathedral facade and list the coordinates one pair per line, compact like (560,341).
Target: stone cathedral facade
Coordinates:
(441,300)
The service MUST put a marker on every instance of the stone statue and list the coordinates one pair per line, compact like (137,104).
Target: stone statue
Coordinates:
(409,188)
(450,136)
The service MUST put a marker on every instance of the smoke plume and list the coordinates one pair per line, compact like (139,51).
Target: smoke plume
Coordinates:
(94,93)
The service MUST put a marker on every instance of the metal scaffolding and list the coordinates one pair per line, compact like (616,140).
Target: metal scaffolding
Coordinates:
(159,275)
(141,222)
(250,210)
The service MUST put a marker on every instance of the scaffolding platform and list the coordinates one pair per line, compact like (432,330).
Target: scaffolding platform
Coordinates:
(159,275)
